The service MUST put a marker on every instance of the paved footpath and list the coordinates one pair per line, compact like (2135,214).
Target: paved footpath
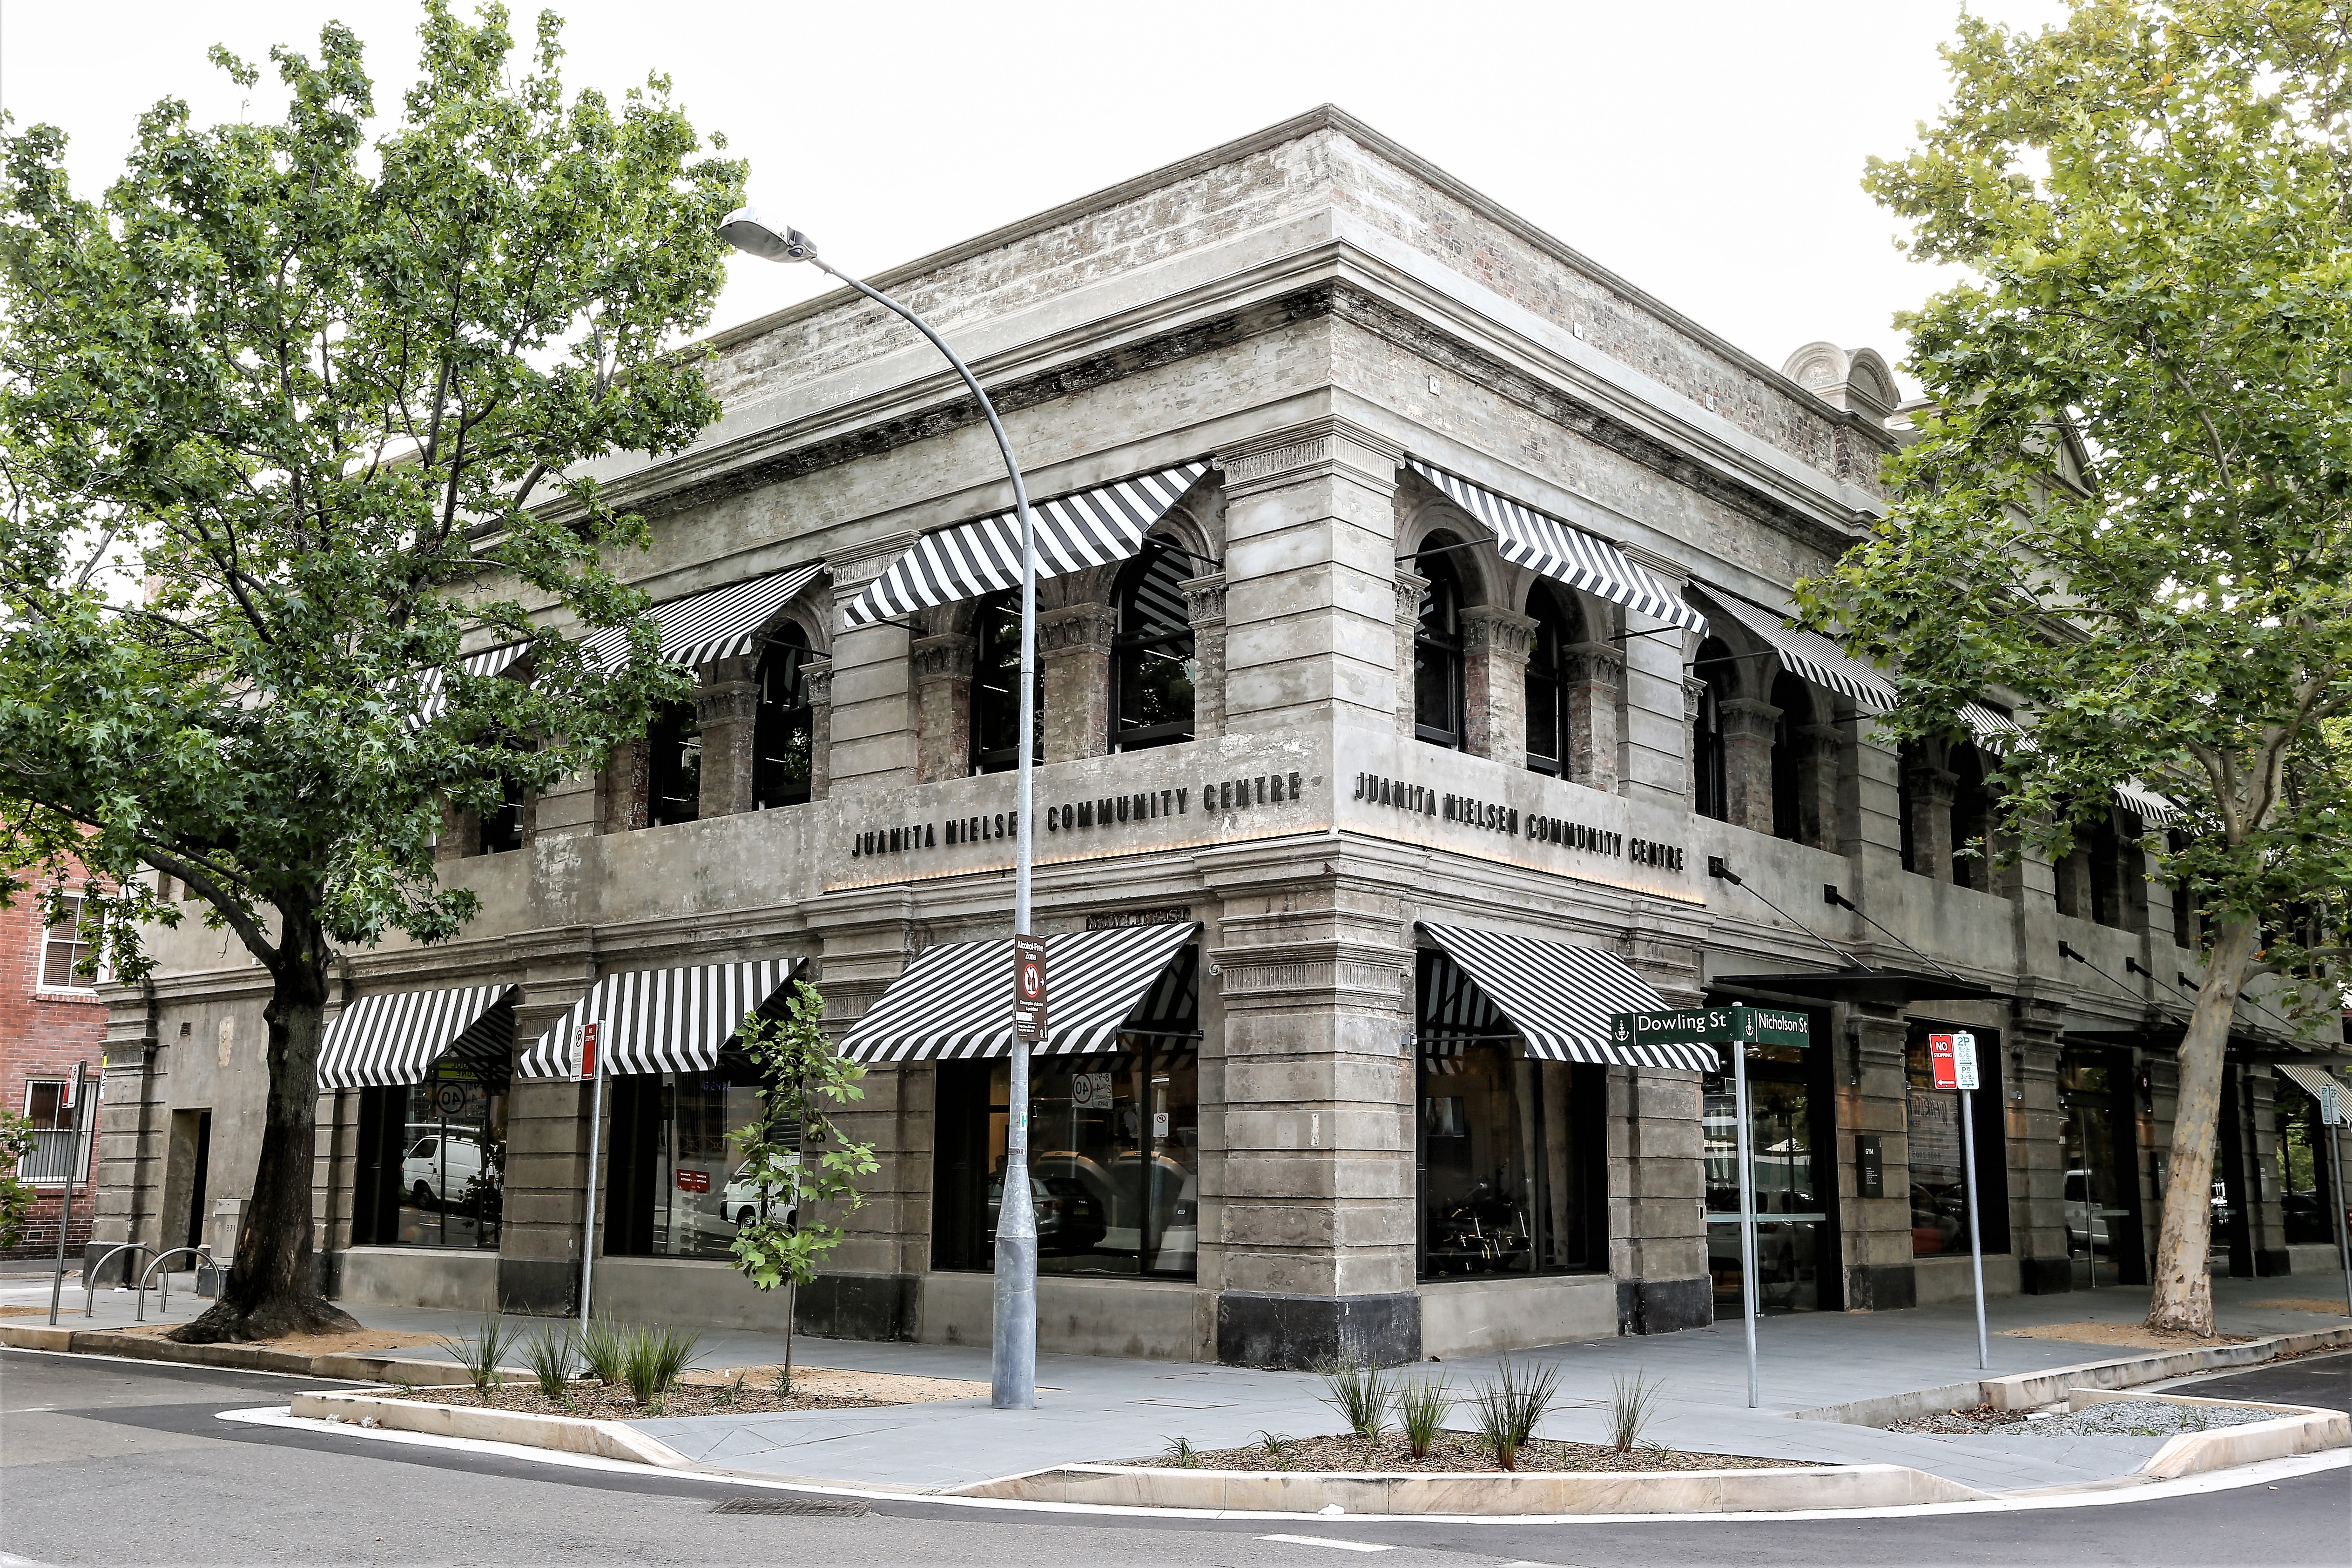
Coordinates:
(1098,1409)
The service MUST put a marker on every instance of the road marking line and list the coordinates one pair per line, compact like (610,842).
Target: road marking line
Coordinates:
(1328,1540)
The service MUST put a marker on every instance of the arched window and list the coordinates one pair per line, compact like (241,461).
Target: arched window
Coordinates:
(1971,817)
(1909,757)
(996,687)
(1437,690)
(784,731)
(503,829)
(1151,654)
(1551,722)
(1790,774)
(1710,792)
(673,766)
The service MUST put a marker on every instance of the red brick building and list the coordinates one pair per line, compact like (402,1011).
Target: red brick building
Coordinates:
(50,1018)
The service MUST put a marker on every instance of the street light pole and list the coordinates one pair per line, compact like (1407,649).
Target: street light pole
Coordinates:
(1014,1360)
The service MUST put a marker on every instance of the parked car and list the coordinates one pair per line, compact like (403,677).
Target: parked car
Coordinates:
(1069,1216)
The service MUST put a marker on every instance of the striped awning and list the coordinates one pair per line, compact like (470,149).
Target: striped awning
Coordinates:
(1998,733)
(956,1002)
(2332,1092)
(397,1037)
(717,623)
(1092,527)
(1808,654)
(1562,551)
(481,666)
(660,1020)
(1556,998)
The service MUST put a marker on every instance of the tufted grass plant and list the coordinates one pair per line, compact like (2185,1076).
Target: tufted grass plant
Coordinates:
(1509,1409)
(1360,1394)
(481,1355)
(1632,1402)
(602,1348)
(1421,1406)
(553,1359)
(651,1359)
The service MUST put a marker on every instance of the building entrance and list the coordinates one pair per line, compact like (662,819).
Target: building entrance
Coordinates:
(1796,1230)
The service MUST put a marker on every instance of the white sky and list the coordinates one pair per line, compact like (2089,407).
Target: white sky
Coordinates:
(1710,152)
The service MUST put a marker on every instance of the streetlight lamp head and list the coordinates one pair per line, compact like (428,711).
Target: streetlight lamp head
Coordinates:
(744,229)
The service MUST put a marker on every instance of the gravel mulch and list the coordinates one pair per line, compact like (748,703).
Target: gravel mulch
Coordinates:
(1453,1451)
(2115,1418)
(601,1402)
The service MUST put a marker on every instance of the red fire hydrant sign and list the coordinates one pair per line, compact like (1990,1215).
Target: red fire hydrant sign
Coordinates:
(1954,1058)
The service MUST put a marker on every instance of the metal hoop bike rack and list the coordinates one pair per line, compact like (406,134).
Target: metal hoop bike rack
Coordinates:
(164,1302)
(90,1274)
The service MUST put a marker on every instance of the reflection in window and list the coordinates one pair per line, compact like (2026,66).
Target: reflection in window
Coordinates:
(675,1188)
(1710,793)
(2102,1223)
(2305,1178)
(996,687)
(783,734)
(1939,1199)
(673,766)
(1113,1161)
(69,945)
(1152,667)
(1438,697)
(1790,1205)
(1509,1176)
(1559,628)
(432,1159)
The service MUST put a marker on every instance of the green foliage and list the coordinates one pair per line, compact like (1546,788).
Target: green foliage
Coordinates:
(1421,1406)
(553,1358)
(1509,1410)
(603,1350)
(800,1191)
(1179,1450)
(2154,203)
(1632,1403)
(1276,1444)
(651,1359)
(17,1141)
(482,1355)
(1358,1393)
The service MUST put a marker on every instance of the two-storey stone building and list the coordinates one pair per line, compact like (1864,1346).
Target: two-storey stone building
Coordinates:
(1411,664)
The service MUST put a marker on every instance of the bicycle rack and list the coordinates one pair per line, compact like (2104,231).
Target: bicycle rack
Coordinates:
(164,1302)
(89,1275)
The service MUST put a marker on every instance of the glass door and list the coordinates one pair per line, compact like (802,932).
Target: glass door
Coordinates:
(2103,1245)
(1794,1237)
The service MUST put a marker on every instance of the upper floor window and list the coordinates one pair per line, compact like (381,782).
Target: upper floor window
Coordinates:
(1151,654)
(996,687)
(673,766)
(502,829)
(1438,701)
(1971,819)
(1559,628)
(1796,705)
(783,734)
(70,947)
(1710,788)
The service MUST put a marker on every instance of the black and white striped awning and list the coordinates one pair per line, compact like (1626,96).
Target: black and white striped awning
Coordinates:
(2335,1096)
(661,1021)
(1562,551)
(1558,999)
(1808,654)
(491,661)
(1092,527)
(2000,733)
(398,1037)
(956,1002)
(717,623)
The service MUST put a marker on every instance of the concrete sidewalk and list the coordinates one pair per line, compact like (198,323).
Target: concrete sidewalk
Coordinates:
(1096,1409)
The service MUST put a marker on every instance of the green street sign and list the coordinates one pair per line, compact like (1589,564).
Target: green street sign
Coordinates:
(1710,1026)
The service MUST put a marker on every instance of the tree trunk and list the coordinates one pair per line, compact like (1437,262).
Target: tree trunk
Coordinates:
(268,1294)
(2182,1294)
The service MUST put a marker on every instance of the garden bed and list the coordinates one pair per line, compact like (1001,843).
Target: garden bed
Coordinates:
(592,1401)
(2124,1418)
(1452,1452)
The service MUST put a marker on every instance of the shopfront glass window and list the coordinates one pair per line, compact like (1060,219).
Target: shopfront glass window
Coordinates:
(1939,1193)
(675,1187)
(2303,1174)
(1114,1162)
(433,1161)
(1509,1177)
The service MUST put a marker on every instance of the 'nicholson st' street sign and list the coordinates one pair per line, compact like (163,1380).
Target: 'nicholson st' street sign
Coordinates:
(1710,1026)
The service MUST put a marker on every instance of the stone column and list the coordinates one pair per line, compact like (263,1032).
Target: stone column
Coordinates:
(1074,657)
(1821,749)
(1931,819)
(817,681)
(1595,673)
(726,709)
(943,707)
(543,1206)
(624,788)
(1495,643)
(460,836)
(1875,1232)
(2072,874)
(873,729)
(1410,586)
(2267,1214)
(2037,1171)
(1310,568)
(1748,727)
(1657,1171)
(1693,703)
(1205,605)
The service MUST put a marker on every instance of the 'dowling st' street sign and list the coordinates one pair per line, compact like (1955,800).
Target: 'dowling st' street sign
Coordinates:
(1711,1026)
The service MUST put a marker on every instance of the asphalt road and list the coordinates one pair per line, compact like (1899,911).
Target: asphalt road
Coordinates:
(116,1462)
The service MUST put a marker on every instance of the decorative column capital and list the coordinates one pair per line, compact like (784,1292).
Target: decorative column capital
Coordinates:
(1745,717)
(1500,633)
(1318,447)
(1204,598)
(1694,696)
(817,681)
(949,655)
(1410,586)
(1076,628)
(1931,784)
(1595,664)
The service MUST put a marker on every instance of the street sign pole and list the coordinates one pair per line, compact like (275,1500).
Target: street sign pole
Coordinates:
(592,1068)
(73,1164)
(2328,1114)
(1738,1049)
(1976,1243)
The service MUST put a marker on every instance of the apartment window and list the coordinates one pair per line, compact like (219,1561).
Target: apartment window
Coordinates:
(1559,628)
(1438,700)
(996,687)
(45,1104)
(70,947)
(1971,820)
(783,736)
(1152,667)
(673,766)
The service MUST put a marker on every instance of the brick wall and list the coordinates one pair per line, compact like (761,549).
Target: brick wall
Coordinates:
(42,1034)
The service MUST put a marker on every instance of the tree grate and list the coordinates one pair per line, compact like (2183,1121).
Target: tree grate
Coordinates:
(800,1507)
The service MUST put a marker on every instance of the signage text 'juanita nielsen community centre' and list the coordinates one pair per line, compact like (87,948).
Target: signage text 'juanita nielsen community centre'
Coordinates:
(1240,794)
(1494,816)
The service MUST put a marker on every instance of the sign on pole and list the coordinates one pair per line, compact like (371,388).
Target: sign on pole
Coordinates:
(1940,1058)
(1029,989)
(585,1062)
(583,1052)
(1953,1058)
